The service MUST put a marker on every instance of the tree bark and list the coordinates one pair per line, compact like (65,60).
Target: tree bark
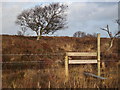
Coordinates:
(37,33)
(110,44)
(39,36)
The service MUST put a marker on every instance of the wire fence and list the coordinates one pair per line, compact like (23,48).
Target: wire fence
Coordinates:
(15,62)
(39,54)
(56,54)
(42,61)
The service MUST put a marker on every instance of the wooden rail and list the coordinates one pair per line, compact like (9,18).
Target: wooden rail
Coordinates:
(81,53)
(81,61)
(96,61)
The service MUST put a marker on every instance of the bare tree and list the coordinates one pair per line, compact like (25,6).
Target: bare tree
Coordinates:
(112,37)
(94,34)
(89,35)
(44,19)
(83,34)
(19,33)
(22,31)
(79,34)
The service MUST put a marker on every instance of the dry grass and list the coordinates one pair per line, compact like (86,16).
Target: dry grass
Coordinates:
(51,74)
(55,78)
(28,45)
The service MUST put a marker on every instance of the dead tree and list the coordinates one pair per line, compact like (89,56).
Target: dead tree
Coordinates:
(112,37)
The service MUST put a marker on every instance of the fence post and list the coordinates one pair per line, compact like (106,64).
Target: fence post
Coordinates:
(66,67)
(98,53)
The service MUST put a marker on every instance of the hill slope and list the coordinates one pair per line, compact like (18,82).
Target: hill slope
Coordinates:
(52,45)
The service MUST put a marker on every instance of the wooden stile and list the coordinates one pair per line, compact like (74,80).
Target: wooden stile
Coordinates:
(97,53)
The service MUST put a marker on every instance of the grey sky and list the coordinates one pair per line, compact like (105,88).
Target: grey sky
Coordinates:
(82,16)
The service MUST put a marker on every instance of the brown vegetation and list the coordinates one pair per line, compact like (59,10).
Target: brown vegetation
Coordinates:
(50,72)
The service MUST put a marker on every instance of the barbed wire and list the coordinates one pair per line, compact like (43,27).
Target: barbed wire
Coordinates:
(24,62)
(62,53)
(42,61)
(32,54)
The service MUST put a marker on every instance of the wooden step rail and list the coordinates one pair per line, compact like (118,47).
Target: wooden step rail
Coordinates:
(81,53)
(96,61)
(81,61)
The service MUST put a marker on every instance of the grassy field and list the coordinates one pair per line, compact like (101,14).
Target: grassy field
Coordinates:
(50,72)
(55,78)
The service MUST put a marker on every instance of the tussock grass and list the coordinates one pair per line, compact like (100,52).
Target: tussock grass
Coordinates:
(55,78)
(50,74)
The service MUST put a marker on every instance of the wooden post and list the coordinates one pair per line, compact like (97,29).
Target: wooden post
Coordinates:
(66,67)
(98,53)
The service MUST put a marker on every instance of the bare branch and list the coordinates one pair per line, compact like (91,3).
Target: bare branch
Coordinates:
(103,29)
(118,33)
(118,21)
(107,30)
(110,34)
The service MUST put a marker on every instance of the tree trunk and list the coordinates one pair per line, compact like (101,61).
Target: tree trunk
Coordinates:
(37,33)
(39,36)
(111,44)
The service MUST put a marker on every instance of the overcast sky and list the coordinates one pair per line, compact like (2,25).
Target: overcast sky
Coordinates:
(82,16)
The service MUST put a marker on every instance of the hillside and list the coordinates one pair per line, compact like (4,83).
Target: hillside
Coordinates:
(49,73)
(52,45)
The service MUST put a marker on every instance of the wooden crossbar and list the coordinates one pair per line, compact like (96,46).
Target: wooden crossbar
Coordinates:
(82,61)
(97,53)
(81,53)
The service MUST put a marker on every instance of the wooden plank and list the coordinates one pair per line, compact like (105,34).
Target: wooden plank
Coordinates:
(93,75)
(98,53)
(81,53)
(82,61)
